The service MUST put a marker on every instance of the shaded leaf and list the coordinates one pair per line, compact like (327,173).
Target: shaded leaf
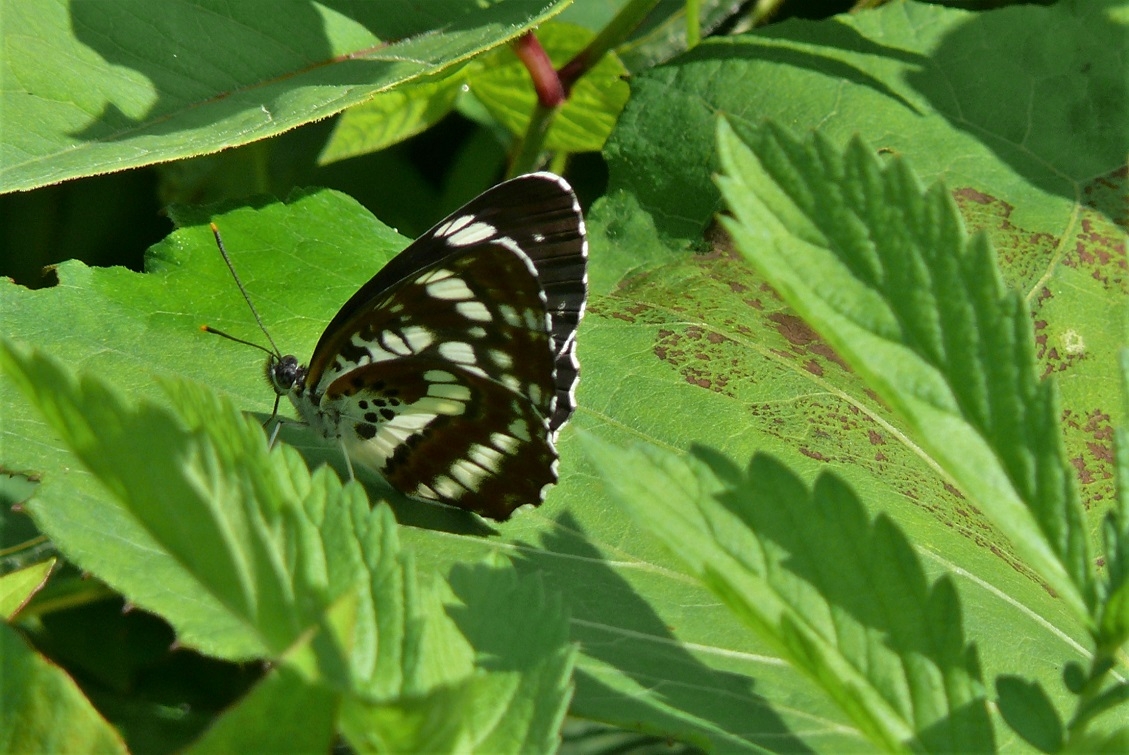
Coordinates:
(42,710)
(391,117)
(206,494)
(583,123)
(681,347)
(295,690)
(519,632)
(843,598)
(1029,712)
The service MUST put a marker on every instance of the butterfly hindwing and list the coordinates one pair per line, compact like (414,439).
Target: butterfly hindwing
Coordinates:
(458,438)
(446,388)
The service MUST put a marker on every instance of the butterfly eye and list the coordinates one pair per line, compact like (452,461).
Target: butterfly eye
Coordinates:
(284,373)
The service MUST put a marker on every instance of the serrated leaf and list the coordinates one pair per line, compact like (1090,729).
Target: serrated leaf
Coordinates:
(681,347)
(1050,208)
(1114,621)
(275,549)
(431,722)
(652,312)
(297,689)
(42,710)
(886,274)
(111,86)
(843,598)
(520,635)
(935,84)
(507,696)
(205,494)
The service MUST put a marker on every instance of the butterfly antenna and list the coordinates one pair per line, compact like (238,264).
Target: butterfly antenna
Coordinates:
(246,298)
(228,336)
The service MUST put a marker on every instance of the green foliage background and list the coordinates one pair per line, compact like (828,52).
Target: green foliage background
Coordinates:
(1022,112)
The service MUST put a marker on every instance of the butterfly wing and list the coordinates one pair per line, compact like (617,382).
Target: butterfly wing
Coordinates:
(536,215)
(541,215)
(445,382)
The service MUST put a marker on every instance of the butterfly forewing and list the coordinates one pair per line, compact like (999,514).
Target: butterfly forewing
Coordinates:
(451,371)
(536,214)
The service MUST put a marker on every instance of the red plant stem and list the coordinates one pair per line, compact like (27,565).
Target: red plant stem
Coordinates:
(546,82)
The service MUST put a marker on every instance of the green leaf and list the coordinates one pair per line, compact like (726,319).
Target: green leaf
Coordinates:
(1114,621)
(1029,711)
(391,117)
(42,710)
(653,311)
(886,274)
(520,635)
(843,598)
(273,546)
(511,699)
(17,587)
(117,85)
(662,35)
(1113,742)
(583,123)
(208,497)
(297,689)
(682,343)
(431,722)
(931,83)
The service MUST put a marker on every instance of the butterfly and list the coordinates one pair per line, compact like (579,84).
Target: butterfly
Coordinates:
(453,369)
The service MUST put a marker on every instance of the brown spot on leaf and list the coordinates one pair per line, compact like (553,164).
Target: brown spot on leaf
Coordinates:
(813,454)
(794,329)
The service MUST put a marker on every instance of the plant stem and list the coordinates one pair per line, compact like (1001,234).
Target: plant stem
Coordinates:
(528,156)
(554,87)
(693,23)
(546,81)
(617,30)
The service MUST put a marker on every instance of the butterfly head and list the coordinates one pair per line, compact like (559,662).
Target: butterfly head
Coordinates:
(284,373)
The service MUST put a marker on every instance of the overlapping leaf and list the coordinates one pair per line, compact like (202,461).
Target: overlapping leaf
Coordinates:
(842,598)
(886,274)
(296,566)
(42,709)
(678,345)
(118,85)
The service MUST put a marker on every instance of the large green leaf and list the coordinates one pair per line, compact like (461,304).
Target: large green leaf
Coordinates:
(842,598)
(306,572)
(575,539)
(885,271)
(115,85)
(1028,128)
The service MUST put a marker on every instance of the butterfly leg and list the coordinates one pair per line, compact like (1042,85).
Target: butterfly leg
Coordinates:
(348,462)
(274,433)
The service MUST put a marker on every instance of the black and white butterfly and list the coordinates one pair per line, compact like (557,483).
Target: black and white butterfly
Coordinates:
(453,369)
